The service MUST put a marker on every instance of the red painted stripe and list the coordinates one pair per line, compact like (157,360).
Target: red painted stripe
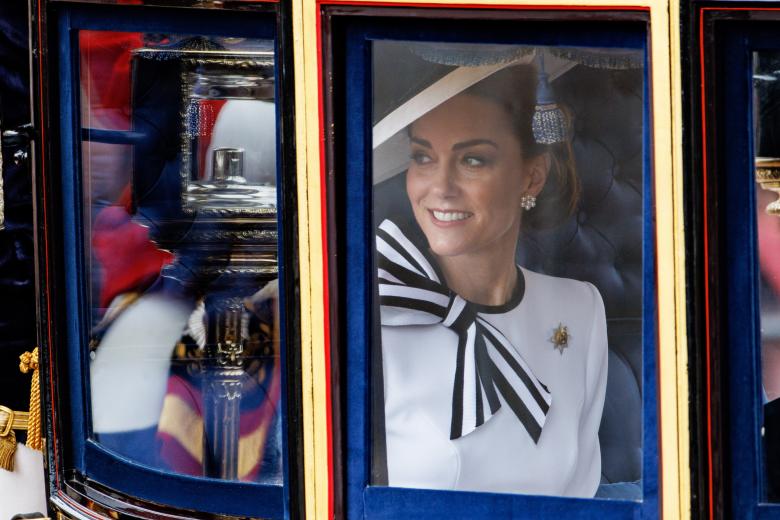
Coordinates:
(76,505)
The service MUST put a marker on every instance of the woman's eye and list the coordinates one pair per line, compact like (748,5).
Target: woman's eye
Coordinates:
(474,161)
(421,158)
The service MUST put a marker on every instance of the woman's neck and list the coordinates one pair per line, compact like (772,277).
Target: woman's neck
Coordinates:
(486,279)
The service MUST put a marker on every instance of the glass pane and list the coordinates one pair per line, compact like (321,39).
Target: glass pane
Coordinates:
(178,155)
(767,151)
(508,204)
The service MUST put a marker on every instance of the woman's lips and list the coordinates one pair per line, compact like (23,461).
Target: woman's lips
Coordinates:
(449,217)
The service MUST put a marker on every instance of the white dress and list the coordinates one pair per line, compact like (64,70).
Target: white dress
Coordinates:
(500,456)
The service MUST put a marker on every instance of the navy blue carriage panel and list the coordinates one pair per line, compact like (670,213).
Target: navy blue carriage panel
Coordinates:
(607,241)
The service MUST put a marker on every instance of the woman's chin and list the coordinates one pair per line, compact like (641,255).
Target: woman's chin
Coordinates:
(446,248)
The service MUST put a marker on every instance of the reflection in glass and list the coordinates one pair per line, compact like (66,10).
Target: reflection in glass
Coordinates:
(509,214)
(766,103)
(226,169)
(179,183)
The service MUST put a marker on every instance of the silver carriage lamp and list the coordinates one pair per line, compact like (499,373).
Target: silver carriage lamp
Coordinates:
(222,225)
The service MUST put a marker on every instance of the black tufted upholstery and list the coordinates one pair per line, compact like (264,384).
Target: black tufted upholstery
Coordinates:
(601,243)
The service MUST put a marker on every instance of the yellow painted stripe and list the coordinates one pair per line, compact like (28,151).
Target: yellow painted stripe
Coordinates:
(678,233)
(310,246)
(670,260)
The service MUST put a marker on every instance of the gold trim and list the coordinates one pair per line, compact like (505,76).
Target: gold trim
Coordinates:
(12,420)
(767,174)
(29,362)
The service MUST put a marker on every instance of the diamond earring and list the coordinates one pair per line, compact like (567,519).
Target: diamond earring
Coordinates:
(527,202)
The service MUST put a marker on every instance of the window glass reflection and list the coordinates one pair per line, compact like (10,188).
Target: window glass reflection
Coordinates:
(178,155)
(508,206)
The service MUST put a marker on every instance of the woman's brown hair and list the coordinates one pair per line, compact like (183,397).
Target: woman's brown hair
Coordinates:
(514,89)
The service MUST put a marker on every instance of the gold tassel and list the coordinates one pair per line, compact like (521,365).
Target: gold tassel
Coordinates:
(23,420)
(29,361)
(7,449)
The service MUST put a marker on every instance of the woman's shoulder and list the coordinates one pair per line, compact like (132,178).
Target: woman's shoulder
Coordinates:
(560,290)
(577,305)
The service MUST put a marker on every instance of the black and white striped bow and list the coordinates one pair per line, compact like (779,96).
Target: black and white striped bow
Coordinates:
(412,292)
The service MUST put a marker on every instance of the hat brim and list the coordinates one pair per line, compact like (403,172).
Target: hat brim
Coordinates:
(390,141)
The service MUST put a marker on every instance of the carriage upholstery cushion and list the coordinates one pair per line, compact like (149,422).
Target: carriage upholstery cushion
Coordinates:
(602,243)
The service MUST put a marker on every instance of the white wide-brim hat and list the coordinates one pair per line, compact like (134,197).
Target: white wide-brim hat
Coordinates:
(455,68)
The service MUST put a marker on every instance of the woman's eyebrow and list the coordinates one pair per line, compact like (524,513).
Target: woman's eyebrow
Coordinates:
(421,142)
(473,142)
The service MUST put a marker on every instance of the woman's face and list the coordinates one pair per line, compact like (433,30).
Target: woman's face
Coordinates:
(467,176)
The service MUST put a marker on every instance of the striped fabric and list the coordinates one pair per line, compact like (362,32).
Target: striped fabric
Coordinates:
(180,431)
(413,292)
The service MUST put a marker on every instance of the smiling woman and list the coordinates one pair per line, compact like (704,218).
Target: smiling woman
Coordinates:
(472,167)
(494,376)
(463,184)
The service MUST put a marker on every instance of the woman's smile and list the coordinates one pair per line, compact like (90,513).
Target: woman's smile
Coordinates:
(449,217)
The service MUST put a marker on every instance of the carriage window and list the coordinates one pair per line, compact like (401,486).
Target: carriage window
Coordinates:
(508,206)
(178,174)
(766,103)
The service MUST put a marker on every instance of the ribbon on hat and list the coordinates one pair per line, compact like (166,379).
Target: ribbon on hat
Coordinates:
(412,292)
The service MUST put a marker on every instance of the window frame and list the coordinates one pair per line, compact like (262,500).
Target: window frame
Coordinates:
(335,426)
(84,475)
(724,199)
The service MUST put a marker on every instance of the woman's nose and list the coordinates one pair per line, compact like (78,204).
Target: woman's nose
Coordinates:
(444,181)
